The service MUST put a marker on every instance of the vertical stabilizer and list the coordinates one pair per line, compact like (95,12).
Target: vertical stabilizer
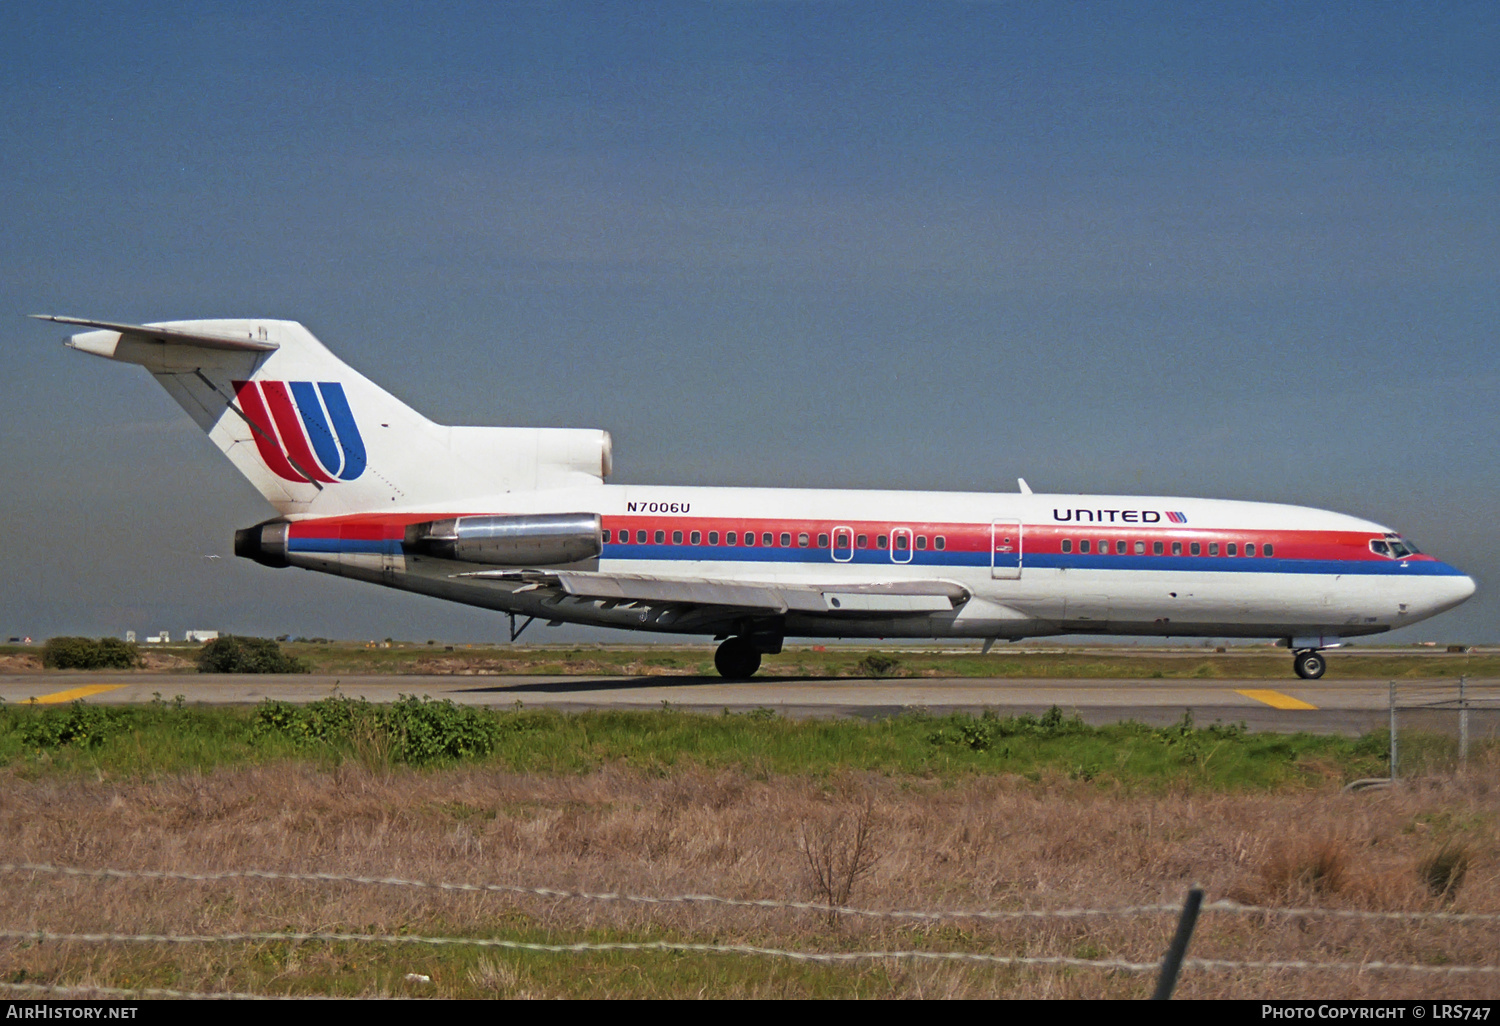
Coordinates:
(316,437)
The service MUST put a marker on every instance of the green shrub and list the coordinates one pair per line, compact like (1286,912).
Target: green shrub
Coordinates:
(423,730)
(413,730)
(69,653)
(85,726)
(233,654)
(877,664)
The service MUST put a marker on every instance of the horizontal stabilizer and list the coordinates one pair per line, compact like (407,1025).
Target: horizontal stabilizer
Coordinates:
(167,336)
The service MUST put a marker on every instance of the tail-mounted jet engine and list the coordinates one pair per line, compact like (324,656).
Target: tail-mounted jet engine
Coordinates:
(549,539)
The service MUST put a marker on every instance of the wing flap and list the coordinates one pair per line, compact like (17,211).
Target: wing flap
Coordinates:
(883,598)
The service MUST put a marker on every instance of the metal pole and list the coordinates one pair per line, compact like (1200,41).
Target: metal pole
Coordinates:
(1463,725)
(1172,961)
(1393,731)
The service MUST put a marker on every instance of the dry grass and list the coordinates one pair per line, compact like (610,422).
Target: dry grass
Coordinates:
(987,842)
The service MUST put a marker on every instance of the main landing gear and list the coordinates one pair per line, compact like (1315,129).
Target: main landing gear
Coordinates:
(737,659)
(1309,664)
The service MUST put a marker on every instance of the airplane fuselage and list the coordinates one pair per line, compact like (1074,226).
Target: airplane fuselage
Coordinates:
(1020,565)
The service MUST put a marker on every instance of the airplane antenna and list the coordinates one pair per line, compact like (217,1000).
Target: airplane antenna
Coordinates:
(1025,488)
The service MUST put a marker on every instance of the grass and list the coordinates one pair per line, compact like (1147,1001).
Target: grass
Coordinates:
(835,661)
(913,812)
(979,841)
(169,737)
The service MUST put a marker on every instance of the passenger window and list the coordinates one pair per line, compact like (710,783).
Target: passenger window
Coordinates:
(801,541)
(786,540)
(1067,545)
(1156,548)
(713,537)
(606,537)
(731,537)
(1197,549)
(902,542)
(640,537)
(1177,548)
(696,538)
(1213,548)
(1083,546)
(1231,549)
(1266,548)
(749,537)
(822,541)
(881,542)
(921,541)
(1249,548)
(676,537)
(661,537)
(1120,548)
(767,538)
(1140,548)
(940,542)
(863,541)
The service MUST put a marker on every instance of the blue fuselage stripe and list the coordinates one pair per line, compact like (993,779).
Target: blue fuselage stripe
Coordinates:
(950,560)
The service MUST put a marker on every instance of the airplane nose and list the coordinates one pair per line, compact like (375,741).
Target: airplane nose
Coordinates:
(1465,588)
(1453,591)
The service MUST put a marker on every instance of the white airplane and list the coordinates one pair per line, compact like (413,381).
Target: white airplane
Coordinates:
(520,520)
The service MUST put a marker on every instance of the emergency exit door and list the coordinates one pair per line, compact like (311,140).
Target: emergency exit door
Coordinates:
(1005,549)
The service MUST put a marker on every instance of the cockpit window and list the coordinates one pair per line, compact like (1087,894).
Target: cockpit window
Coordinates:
(1394,547)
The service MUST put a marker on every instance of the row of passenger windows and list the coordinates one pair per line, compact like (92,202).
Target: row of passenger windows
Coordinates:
(1122,548)
(903,540)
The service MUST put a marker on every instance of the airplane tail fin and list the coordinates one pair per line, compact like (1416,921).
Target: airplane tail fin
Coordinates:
(316,437)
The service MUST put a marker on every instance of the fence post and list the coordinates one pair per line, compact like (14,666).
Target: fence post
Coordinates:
(1463,726)
(1166,981)
(1393,732)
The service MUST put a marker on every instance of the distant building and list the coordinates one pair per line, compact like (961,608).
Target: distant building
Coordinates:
(200,636)
(164,638)
(130,637)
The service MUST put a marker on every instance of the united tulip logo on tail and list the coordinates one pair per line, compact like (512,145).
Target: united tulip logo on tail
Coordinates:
(304,431)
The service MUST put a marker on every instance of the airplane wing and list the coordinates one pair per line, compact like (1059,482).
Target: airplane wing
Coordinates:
(169,336)
(893,598)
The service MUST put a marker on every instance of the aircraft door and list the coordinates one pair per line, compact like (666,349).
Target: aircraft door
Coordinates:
(1005,549)
(901,542)
(843,544)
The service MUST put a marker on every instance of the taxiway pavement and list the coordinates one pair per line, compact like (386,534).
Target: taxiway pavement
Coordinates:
(1341,706)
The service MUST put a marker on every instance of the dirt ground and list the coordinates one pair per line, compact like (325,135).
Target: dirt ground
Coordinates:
(985,843)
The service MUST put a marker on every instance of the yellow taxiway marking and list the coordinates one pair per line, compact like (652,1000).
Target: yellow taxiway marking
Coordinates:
(1276,699)
(73,693)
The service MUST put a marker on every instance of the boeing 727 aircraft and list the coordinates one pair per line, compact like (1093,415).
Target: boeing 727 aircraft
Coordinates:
(520,520)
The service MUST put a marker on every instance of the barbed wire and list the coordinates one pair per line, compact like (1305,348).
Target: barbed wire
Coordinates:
(549,892)
(1221,905)
(837,957)
(79,989)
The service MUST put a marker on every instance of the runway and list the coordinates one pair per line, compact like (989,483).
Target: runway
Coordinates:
(1325,707)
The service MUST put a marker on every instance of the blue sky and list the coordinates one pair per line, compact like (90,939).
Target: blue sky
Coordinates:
(1238,250)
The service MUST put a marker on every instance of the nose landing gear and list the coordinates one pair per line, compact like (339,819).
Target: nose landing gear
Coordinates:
(1309,664)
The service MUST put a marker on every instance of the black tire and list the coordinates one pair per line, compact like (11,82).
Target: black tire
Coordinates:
(737,659)
(1310,665)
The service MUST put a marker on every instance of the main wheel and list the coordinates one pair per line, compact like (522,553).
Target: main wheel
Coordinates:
(1310,665)
(737,659)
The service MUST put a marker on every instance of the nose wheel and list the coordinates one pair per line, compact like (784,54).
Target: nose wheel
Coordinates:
(737,659)
(1309,664)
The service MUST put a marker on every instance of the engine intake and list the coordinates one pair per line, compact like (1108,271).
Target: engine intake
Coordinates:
(544,539)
